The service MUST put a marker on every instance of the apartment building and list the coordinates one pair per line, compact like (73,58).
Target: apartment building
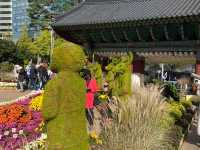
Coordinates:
(5,19)
(19,17)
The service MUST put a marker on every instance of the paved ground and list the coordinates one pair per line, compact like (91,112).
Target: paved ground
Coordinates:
(192,141)
(6,95)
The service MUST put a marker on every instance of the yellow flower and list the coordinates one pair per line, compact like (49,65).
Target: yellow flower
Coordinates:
(93,135)
(98,141)
(36,103)
(103,97)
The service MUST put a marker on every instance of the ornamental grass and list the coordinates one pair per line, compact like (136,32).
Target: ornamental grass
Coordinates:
(138,123)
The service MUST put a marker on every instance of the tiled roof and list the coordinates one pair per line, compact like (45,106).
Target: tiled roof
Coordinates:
(108,11)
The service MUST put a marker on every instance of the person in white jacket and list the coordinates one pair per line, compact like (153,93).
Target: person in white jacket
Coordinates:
(16,71)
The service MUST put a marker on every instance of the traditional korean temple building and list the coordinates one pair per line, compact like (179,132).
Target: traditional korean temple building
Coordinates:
(163,30)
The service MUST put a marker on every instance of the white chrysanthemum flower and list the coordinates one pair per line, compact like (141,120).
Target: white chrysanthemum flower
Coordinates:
(43,136)
(13,130)
(6,133)
(21,132)
(15,136)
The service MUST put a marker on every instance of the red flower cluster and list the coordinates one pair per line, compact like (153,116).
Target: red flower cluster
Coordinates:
(14,113)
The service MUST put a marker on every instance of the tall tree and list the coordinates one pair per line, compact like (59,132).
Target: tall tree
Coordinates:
(42,12)
(41,46)
(24,40)
(23,44)
(7,51)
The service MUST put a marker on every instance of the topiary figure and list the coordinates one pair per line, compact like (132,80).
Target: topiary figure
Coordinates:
(96,71)
(119,75)
(64,96)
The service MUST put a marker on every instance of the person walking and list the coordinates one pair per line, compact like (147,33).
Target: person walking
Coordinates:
(33,77)
(194,87)
(91,89)
(21,79)
(16,74)
(42,75)
(27,69)
(197,87)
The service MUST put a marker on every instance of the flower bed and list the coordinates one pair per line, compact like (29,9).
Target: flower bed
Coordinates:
(5,85)
(21,122)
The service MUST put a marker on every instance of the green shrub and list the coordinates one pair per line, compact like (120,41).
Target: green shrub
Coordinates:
(170,91)
(7,51)
(176,110)
(186,103)
(6,67)
(4,76)
(194,99)
(63,104)
(176,114)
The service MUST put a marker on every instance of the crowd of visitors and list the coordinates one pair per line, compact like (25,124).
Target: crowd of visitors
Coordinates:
(33,77)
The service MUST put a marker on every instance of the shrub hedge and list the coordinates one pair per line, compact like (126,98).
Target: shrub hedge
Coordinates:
(6,67)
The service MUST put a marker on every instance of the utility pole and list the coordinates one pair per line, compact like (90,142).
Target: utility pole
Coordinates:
(52,45)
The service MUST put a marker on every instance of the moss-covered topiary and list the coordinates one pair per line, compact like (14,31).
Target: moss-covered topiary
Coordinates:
(96,72)
(68,56)
(63,106)
(119,75)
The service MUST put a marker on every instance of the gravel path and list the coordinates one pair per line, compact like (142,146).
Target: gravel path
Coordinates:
(7,95)
(192,141)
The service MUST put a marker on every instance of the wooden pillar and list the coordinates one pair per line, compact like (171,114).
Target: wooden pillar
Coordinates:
(197,66)
(137,72)
(138,66)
